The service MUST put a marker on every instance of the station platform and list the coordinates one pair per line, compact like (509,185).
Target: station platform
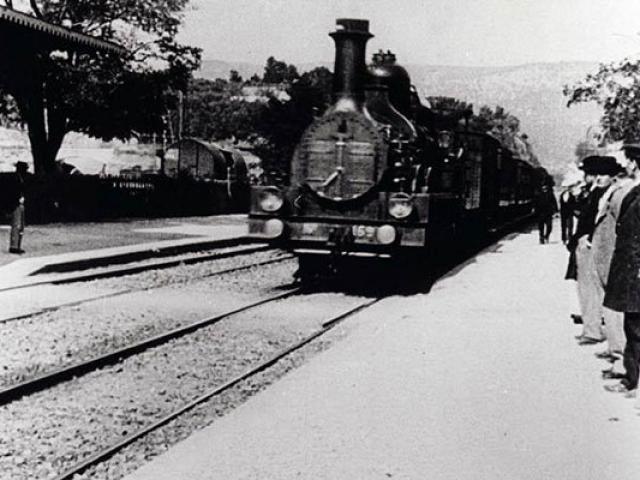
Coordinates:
(81,245)
(479,379)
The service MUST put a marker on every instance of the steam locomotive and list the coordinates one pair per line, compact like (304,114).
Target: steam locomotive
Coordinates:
(381,175)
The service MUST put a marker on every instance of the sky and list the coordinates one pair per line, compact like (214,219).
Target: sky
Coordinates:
(430,32)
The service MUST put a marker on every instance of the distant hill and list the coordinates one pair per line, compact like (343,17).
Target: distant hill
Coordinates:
(532,92)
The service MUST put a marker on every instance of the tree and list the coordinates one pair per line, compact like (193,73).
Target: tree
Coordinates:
(216,111)
(102,95)
(498,123)
(615,87)
(313,91)
(276,71)
(235,77)
(282,124)
(502,125)
(448,105)
(273,123)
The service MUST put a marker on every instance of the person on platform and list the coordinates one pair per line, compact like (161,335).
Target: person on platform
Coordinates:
(602,245)
(545,207)
(580,243)
(567,209)
(580,193)
(622,292)
(17,207)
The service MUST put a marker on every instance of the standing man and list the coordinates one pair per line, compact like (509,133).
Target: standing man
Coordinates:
(623,285)
(580,193)
(602,244)
(17,208)
(587,278)
(545,207)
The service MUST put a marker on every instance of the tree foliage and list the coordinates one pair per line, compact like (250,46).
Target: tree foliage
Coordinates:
(102,95)
(615,87)
(448,105)
(256,112)
(268,114)
(216,111)
(235,77)
(496,122)
(276,71)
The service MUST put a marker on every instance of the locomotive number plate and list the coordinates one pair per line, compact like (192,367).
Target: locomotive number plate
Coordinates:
(363,231)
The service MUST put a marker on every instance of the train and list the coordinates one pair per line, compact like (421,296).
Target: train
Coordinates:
(380,175)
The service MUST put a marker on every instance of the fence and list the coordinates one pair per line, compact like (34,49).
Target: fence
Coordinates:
(93,198)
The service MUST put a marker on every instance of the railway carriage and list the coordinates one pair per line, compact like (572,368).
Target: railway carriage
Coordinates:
(380,175)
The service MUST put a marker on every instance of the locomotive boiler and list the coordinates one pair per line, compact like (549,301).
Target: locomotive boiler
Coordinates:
(380,175)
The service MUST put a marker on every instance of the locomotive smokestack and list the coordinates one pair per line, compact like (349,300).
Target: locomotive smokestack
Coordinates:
(350,69)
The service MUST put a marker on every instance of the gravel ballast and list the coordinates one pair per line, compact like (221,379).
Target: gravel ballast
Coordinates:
(46,432)
(34,345)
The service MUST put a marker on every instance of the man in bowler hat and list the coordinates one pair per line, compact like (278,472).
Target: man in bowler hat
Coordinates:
(587,279)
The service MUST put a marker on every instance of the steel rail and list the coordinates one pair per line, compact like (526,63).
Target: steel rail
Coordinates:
(28,387)
(110,451)
(75,303)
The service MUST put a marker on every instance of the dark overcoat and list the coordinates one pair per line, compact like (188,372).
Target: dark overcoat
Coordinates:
(545,204)
(622,292)
(586,225)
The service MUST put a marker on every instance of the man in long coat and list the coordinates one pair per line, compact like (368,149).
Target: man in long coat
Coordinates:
(623,285)
(602,244)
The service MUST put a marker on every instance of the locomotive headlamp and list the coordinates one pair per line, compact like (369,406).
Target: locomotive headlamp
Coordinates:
(386,234)
(400,205)
(273,228)
(271,200)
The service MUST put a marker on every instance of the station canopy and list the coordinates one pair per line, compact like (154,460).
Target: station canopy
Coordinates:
(25,33)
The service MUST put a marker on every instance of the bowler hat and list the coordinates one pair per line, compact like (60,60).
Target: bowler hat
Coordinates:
(607,166)
(588,164)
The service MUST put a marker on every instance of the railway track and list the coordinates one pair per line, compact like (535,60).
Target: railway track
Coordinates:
(105,453)
(138,269)
(50,379)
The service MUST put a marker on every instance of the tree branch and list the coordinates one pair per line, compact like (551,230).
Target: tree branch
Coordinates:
(35,8)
